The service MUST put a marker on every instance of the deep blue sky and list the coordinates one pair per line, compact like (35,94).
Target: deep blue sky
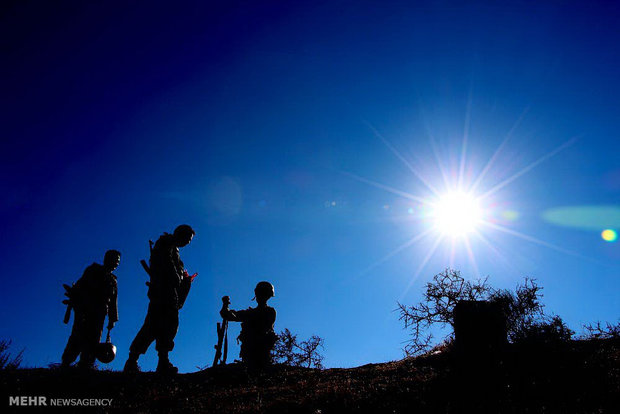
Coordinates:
(251,120)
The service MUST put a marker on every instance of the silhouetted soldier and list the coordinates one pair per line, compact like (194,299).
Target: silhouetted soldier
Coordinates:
(257,335)
(168,289)
(92,297)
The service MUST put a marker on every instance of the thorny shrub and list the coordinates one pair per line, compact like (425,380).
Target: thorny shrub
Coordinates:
(522,308)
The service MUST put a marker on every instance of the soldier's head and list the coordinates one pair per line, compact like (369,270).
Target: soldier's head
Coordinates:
(263,292)
(183,235)
(111,260)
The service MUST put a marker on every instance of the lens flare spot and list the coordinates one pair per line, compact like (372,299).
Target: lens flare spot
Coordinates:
(609,235)
(457,214)
(510,215)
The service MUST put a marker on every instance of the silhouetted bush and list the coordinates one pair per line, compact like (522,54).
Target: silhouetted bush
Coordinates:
(7,361)
(523,311)
(552,330)
(597,331)
(289,351)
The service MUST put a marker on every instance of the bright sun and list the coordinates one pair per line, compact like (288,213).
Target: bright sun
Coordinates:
(457,214)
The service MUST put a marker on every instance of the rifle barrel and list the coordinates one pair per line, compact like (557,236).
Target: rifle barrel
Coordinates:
(146,267)
(67,314)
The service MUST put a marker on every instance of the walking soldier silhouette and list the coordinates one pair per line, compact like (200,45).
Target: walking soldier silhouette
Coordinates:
(168,288)
(92,297)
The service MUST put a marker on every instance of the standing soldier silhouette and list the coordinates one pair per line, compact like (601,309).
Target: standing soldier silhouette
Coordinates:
(92,297)
(168,288)
(257,335)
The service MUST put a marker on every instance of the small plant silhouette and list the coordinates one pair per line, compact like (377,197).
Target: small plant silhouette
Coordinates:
(598,331)
(7,361)
(289,351)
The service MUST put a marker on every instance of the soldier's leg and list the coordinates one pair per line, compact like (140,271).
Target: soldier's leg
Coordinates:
(243,351)
(166,332)
(269,342)
(167,327)
(146,335)
(262,356)
(248,352)
(91,338)
(255,353)
(72,350)
(142,341)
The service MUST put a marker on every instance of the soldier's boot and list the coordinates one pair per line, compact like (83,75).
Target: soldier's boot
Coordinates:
(164,366)
(66,361)
(70,354)
(86,362)
(132,363)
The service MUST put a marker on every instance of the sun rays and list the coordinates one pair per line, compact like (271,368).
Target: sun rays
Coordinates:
(455,211)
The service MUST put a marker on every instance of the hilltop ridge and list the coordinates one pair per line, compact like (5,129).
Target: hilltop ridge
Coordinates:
(580,377)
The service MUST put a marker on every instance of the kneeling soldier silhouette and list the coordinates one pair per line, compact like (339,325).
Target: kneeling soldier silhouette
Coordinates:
(92,297)
(257,336)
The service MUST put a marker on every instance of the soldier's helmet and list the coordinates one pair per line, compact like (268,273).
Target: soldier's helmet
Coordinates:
(265,290)
(106,352)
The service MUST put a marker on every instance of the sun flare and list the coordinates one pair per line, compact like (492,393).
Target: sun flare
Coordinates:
(458,220)
(457,214)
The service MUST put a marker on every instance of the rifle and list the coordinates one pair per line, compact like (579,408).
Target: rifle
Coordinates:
(145,266)
(222,337)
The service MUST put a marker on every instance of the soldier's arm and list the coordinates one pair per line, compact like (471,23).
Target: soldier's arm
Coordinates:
(186,284)
(176,265)
(168,268)
(233,315)
(272,316)
(113,308)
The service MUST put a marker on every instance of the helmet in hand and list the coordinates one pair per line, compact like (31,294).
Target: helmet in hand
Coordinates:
(106,352)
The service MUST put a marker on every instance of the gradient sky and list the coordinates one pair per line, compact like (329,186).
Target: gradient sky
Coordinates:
(296,138)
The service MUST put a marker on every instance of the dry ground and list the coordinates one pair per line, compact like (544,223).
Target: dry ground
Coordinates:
(579,377)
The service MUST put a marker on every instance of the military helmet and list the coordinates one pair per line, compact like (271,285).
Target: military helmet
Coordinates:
(265,289)
(105,352)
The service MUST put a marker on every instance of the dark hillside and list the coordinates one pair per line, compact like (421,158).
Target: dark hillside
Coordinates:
(578,377)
